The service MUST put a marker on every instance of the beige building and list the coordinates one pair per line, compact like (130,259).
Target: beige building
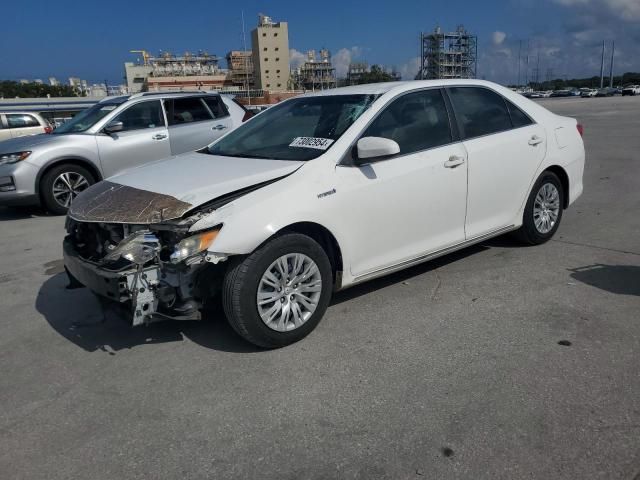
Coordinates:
(270,46)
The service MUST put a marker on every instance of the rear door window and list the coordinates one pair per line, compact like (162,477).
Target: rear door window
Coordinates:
(479,111)
(19,120)
(186,110)
(416,121)
(141,116)
(217,106)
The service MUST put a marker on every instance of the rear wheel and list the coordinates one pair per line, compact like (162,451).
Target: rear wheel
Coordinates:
(278,294)
(543,211)
(62,184)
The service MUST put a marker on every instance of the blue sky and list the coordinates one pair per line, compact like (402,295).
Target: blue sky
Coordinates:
(92,39)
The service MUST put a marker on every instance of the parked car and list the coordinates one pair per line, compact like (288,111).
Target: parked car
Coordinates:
(22,124)
(115,134)
(319,193)
(588,92)
(574,92)
(631,90)
(605,92)
(561,93)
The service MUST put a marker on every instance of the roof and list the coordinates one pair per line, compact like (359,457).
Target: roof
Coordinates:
(382,88)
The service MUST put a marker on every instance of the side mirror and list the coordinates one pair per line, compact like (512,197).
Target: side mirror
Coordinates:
(113,127)
(375,147)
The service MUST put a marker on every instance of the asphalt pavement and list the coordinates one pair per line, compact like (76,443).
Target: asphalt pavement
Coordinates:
(497,362)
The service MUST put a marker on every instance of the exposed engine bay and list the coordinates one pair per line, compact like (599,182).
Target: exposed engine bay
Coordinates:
(158,271)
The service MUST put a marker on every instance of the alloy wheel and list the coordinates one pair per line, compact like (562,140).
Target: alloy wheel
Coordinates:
(67,186)
(289,292)
(546,208)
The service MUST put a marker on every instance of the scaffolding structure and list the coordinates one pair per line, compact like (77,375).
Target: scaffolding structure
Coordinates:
(168,65)
(314,73)
(448,55)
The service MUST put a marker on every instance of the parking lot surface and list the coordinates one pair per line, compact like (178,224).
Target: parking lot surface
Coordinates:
(498,362)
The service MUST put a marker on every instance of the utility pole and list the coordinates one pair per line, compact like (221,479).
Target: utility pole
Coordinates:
(519,53)
(602,66)
(613,51)
(527,64)
(246,59)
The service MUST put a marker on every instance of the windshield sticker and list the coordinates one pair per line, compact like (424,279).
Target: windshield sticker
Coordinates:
(311,142)
(108,108)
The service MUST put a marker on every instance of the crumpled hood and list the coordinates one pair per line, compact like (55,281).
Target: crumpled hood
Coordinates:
(167,189)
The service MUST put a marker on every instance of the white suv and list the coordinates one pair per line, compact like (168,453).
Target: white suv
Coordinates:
(319,193)
(20,124)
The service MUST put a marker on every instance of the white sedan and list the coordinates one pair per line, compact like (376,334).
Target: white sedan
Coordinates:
(322,192)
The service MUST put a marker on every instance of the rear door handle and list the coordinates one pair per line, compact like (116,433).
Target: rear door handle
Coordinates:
(535,140)
(219,127)
(454,161)
(159,136)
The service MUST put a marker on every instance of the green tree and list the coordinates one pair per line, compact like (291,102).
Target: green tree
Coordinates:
(11,89)
(374,75)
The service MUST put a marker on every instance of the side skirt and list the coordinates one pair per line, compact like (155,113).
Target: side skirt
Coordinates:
(429,256)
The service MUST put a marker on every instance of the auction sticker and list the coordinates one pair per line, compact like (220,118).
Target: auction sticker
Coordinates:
(311,142)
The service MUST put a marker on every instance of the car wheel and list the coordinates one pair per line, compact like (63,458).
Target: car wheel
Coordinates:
(62,184)
(278,294)
(543,211)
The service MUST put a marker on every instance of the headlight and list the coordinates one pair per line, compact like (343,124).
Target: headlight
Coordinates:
(195,244)
(139,248)
(13,157)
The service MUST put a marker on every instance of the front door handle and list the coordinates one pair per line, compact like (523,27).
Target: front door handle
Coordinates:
(454,161)
(535,140)
(219,127)
(159,136)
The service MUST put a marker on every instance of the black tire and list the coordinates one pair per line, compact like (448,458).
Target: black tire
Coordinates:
(529,233)
(240,289)
(48,180)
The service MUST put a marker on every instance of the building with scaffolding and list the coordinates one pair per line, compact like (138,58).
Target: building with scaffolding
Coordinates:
(316,73)
(240,65)
(175,72)
(448,55)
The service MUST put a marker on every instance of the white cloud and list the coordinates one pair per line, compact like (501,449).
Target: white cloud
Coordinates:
(410,69)
(627,10)
(342,58)
(498,37)
(296,58)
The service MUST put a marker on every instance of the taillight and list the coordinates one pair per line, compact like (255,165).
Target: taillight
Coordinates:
(580,129)
(247,115)
(48,129)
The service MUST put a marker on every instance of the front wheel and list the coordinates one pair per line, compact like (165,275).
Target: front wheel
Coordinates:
(278,294)
(543,211)
(62,184)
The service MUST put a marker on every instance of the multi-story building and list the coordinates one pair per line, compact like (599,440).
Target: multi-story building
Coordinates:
(270,46)
(240,65)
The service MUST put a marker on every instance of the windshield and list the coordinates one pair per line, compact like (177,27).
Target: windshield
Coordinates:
(87,118)
(298,129)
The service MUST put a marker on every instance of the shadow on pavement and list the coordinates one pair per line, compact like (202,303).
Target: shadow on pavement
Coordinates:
(19,213)
(83,319)
(620,279)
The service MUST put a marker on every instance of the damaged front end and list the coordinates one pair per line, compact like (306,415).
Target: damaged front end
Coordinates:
(156,270)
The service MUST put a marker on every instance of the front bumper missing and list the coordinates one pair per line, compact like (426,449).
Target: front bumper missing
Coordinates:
(146,290)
